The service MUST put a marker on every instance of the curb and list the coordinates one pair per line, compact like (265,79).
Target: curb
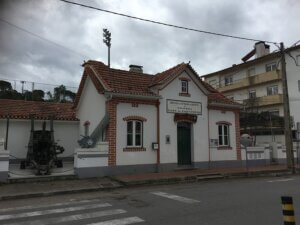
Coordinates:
(200,178)
(52,193)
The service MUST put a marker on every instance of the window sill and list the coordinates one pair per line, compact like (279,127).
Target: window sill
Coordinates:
(185,94)
(134,149)
(224,148)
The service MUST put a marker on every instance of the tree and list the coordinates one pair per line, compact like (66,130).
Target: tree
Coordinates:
(5,86)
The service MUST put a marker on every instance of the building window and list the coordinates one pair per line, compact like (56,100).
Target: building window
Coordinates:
(223,134)
(299,85)
(184,86)
(213,83)
(134,133)
(251,72)
(271,67)
(274,112)
(298,60)
(228,80)
(272,90)
(252,94)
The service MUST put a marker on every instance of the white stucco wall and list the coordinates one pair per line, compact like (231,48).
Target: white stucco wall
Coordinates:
(217,116)
(149,134)
(199,151)
(91,107)
(65,134)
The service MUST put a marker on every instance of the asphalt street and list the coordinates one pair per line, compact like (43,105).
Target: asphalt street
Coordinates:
(249,201)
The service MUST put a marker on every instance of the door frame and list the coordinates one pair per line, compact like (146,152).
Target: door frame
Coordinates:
(187,125)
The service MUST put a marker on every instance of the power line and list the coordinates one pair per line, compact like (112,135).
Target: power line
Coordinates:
(42,38)
(166,24)
(54,85)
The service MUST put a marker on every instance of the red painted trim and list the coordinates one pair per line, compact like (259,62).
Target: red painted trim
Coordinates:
(237,135)
(224,148)
(222,108)
(134,149)
(223,122)
(185,94)
(184,78)
(158,133)
(140,118)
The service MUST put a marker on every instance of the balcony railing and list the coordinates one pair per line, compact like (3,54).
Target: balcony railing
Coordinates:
(263,101)
(252,80)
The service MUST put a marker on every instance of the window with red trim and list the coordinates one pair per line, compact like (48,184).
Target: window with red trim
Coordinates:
(184,86)
(223,130)
(134,133)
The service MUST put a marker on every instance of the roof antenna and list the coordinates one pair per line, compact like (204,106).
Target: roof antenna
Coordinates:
(107,41)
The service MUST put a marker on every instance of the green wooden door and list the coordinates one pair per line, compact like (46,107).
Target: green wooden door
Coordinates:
(184,143)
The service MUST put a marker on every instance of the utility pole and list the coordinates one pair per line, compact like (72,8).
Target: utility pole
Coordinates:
(287,116)
(107,41)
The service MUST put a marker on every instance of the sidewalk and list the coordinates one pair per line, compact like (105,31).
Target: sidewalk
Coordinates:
(197,175)
(67,186)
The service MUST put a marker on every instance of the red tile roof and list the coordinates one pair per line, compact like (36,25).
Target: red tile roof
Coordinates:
(20,109)
(127,82)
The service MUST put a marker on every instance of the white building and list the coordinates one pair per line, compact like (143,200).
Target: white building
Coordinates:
(257,83)
(138,122)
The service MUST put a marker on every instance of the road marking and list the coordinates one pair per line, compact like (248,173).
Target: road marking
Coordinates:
(281,180)
(51,211)
(175,197)
(72,217)
(47,206)
(123,221)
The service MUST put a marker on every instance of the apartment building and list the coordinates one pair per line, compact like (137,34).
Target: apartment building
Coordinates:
(257,82)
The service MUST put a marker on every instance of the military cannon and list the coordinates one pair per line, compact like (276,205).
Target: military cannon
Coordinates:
(42,150)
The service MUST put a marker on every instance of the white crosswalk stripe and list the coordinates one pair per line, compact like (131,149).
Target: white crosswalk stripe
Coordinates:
(83,212)
(46,206)
(72,217)
(124,221)
(51,211)
(175,197)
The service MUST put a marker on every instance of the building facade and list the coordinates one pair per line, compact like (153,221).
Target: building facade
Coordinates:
(130,122)
(257,84)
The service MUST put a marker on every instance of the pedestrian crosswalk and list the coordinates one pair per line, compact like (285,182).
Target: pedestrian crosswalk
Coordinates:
(86,212)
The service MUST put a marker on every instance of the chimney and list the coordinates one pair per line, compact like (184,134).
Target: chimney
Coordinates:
(136,68)
(261,49)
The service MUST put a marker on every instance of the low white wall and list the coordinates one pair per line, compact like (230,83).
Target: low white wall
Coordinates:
(65,134)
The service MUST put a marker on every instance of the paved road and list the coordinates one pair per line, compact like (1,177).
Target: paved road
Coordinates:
(252,201)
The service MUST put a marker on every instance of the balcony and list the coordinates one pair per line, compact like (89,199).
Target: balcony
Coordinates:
(263,101)
(252,80)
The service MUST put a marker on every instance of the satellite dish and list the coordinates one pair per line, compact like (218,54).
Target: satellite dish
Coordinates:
(246,140)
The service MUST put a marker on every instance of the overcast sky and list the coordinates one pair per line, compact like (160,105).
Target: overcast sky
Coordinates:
(156,48)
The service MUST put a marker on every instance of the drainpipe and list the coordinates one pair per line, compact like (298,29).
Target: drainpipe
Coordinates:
(158,135)
(6,138)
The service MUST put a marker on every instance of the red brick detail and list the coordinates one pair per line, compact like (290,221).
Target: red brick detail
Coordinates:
(112,125)
(224,148)
(223,109)
(185,118)
(185,94)
(237,135)
(134,149)
(223,122)
(140,118)
(184,78)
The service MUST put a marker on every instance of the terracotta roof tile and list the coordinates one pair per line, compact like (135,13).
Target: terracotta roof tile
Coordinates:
(20,109)
(126,82)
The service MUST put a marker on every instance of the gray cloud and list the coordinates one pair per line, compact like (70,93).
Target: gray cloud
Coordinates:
(23,56)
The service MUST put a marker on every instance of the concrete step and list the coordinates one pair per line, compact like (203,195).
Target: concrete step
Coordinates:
(209,176)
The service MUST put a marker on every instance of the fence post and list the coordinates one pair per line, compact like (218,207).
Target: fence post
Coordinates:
(288,210)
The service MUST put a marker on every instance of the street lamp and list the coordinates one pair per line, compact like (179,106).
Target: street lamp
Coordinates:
(107,41)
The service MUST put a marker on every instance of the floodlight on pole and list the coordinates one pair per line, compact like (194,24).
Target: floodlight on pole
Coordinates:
(107,42)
